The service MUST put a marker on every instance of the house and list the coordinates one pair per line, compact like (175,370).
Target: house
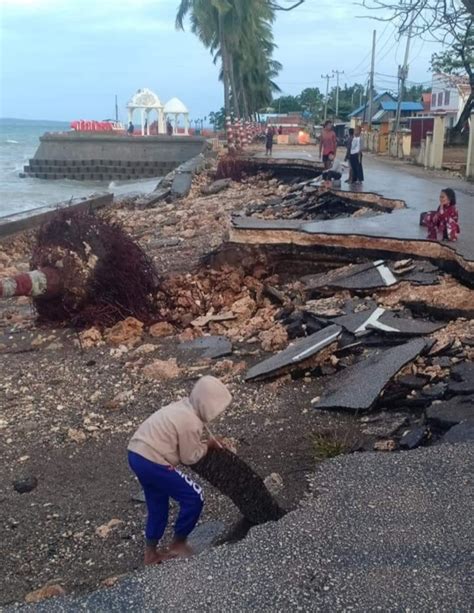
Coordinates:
(426,101)
(384,108)
(388,110)
(449,94)
(290,123)
(361,112)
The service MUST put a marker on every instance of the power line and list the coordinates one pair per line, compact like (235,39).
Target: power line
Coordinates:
(327,77)
(366,57)
(371,79)
(337,73)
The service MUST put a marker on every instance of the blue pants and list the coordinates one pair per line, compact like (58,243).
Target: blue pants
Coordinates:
(159,484)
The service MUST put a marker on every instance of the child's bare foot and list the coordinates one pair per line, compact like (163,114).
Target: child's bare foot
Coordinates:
(153,556)
(180,549)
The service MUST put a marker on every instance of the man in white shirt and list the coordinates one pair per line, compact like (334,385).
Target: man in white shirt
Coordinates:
(355,157)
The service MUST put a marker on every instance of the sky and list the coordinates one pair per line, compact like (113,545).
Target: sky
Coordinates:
(66,59)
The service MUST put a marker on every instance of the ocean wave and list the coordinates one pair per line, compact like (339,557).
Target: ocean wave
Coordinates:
(10,141)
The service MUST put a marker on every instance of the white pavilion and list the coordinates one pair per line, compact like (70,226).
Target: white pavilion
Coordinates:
(174,108)
(147,102)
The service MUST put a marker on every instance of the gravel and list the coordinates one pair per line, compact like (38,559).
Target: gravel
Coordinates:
(388,532)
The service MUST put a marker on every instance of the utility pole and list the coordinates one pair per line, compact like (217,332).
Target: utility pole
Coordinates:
(116,109)
(402,75)
(337,73)
(371,79)
(327,77)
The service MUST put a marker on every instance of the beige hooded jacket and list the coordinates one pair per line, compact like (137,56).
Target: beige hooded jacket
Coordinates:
(172,435)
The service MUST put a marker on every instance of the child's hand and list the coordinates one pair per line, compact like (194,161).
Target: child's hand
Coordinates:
(214,443)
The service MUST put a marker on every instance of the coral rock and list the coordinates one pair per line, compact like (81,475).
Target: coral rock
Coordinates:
(127,332)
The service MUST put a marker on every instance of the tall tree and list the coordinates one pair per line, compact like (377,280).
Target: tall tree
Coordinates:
(450,22)
(239,35)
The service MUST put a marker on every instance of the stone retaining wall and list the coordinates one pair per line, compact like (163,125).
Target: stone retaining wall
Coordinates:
(105,157)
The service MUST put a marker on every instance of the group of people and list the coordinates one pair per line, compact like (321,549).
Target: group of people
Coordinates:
(328,150)
(131,128)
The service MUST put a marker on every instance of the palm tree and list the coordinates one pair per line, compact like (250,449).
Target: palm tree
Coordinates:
(207,22)
(238,33)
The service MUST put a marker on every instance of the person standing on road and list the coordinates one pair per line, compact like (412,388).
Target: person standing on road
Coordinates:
(172,436)
(355,157)
(269,141)
(348,153)
(327,143)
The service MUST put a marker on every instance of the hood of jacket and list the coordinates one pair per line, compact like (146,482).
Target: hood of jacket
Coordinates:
(209,398)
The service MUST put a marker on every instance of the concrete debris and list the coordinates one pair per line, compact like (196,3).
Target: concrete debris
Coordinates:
(464,371)
(75,435)
(446,300)
(384,424)
(358,387)
(385,322)
(326,307)
(385,445)
(274,339)
(104,530)
(299,352)
(163,328)
(355,276)
(216,187)
(412,439)
(162,369)
(461,433)
(414,382)
(205,535)
(127,332)
(43,593)
(212,347)
(451,412)
(90,338)
(273,483)
(204,320)
(311,201)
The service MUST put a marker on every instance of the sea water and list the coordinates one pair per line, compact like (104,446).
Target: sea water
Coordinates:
(19,140)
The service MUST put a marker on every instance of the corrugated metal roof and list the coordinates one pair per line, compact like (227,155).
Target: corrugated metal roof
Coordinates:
(378,115)
(405,106)
(359,109)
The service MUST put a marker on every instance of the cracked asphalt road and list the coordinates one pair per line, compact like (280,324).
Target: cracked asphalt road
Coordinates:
(388,532)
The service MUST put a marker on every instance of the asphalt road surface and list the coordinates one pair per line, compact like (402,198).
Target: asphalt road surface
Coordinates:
(379,532)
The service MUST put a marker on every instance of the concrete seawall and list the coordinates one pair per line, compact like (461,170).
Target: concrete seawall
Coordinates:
(28,220)
(105,157)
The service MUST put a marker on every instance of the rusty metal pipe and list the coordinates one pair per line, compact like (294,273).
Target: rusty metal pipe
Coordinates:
(46,282)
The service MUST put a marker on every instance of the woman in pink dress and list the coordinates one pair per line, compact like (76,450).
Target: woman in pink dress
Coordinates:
(444,223)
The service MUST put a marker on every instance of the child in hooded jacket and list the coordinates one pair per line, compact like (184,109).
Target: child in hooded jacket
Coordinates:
(172,436)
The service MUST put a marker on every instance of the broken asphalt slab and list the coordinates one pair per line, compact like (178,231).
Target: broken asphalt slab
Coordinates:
(451,412)
(387,532)
(207,346)
(358,276)
(396,233)
(295,353)
(385,322)
(358,387)
(460,433)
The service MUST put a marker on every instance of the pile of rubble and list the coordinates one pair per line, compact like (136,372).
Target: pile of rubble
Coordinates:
(312,200)
(224,302)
